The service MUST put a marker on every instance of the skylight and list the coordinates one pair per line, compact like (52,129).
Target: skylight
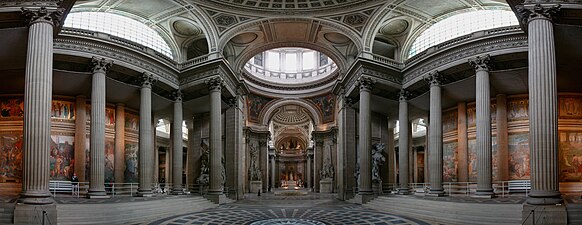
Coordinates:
(461,24)
(119,26)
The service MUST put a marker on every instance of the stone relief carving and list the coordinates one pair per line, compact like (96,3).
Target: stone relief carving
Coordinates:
(327,171)
(254,170)
(377,160)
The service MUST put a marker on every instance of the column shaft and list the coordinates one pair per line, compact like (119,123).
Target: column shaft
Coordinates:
(365,143)
(119,171)
(215,187)
(80,136)
(97,143)
(435,139)
(483,131)
(403,147)
(190,176)
(146,142)
(177,157)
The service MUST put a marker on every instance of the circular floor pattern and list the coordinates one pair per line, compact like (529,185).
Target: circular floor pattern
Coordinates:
(323,214)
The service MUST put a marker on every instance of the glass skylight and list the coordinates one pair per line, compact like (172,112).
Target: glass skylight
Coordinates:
(119,26)
(461,24)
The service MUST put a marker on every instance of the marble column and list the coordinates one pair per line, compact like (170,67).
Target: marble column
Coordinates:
(435,136)
(403,141)
(97,143)
(483,126)
(119,162)
(80,136)
(502,138)
(146,142)
(177,167)
(37,106)
(365,145)
(463,145)
(543,108)
(215,189)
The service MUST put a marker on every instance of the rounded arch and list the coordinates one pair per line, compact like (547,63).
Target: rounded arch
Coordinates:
(207,26)
(270,110)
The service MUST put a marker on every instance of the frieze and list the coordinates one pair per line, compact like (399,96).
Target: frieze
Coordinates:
(570,107)
(199,76)
(37,3)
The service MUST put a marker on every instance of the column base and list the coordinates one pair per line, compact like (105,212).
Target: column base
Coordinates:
(178,191)
(363,198)
(436,193)
(89,196)
(217,198)
(34,214)
(484,194)
(33,198)
(547,214)
(97,194)
(544,198)
(403,191)
(145,193)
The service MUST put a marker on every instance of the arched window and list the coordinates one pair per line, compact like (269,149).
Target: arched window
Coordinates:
(459,25)
(119,26)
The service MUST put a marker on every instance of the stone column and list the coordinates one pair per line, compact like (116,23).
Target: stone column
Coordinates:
(234,147)
(119,172)
(502,138)
(97,144)
(215,189)
(177,187)
(403,148)
(435,136)
(483,126)
(190,176)
(273,181)
(365,145)
(391,154)
(463,146)
(80,136)
(543,109)
(309,173)
(37,106)
(146,142)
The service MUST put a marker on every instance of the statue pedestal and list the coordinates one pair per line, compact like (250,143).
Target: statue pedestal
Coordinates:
(255,186)
(377,188)
(325,186)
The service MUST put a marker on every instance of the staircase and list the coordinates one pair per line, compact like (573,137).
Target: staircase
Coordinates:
(443,212)
(574,213)
(130,212)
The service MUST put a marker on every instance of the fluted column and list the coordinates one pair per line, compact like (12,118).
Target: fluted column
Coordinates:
(435,136)
(178,155)
(365,135)
(502,138)
(543,99)
(403,148)
(483,126)
(80,136)
(97,143)
(37,105)
(146,142)
(190,175)
(119,162)
(215,189)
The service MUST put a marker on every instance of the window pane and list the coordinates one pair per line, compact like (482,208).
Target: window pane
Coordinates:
(291,62)
(309,60)
(273,61)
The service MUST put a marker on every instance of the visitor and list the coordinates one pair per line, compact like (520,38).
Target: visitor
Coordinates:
(75,184)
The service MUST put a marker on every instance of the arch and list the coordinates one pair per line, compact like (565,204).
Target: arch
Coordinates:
(270,110)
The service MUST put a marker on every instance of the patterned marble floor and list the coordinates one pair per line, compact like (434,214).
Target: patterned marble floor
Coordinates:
(290,212)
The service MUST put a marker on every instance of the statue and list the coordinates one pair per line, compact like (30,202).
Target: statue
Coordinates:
(204,177)
(377,160)
(327,171)
(357,174)
(254,170)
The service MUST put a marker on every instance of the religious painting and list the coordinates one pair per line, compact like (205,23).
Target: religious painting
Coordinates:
(419,167)
(256,104)
(62,157)
(131,122)
(570,153)
(494,162)
(63,110)
(519,168)
(109,116)
(472,159)
(87,158)
(10,157)
(517,109)
(471,116)
(450,120)
(326,105)
(570,107)
(11,107)
(109,160)
(450,161)
(131,162)
(493,112)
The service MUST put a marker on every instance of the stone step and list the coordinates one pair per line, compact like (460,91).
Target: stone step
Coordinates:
(6,213)
(574,214)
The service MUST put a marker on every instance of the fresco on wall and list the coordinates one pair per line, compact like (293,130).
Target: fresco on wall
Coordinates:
(450,120)
(450,161)
(326,105)
(131,162)
(11,107)
(62,157)
(517,109)
(494,163)
(109,117)
(131,122)
(570,152)
(471,116)
(62,110)
(10,157)
(519,168)
(87,158)
(109,160)
(570,107)
(472,159)
(256,103)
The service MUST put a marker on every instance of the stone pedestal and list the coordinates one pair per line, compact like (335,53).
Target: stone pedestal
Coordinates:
(255,186)
(377,188)
(325,186)
(26,214)
(546,214)
(363,198)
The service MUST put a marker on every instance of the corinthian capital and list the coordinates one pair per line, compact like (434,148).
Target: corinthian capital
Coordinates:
(100,65)
(147,80)
(403,95)
(43,15)
(480,62)
(434,78)
(215,83)
(365,83)
(177,95)
(547,12)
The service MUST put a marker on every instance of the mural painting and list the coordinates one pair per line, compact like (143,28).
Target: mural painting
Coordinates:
(10,157)
(131,122)
(109,117)
(517,109)
(63,110)
(256,104)
(472,159)
(109,160)
(326,105)
(62,157)
(450,120)
(131,160)
(570,153)
(494,163)
(87,158)
(519,168)
(570,107)
(471,116)
(450,161)
(11,107)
